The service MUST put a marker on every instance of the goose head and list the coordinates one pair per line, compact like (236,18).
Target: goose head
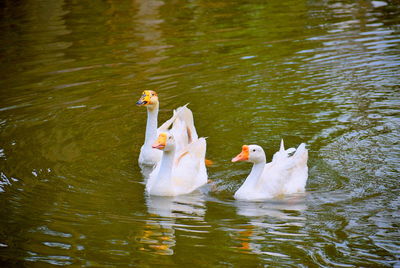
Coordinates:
(164,142)
(250,153)
(149,98)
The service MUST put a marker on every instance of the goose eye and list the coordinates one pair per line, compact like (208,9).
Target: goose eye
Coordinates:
(254,150)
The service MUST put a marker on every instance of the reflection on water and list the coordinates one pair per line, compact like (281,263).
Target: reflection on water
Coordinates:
(159,233)
(280,220)
(159,236)
(321,72)
(182,206)
(273,208)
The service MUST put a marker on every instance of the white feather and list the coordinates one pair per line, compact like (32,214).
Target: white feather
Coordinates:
(287,173)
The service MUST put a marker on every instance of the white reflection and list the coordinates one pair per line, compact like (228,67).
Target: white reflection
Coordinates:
(280,208)
(280,220)
(182,206)
(159,233)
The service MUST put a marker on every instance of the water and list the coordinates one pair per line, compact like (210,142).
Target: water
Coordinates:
(321,72)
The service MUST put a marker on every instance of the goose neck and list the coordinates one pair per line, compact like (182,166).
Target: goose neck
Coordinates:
(167,161)
(151,126)
(255,173)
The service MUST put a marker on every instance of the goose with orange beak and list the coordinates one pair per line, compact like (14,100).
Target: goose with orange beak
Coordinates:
(286,174)
(184,131)
(179,172)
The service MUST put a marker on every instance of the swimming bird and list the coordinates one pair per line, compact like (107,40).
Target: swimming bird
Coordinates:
(179,172)
(287,173)
(149,156)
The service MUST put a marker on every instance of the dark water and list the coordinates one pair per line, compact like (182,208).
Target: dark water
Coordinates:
(322,72)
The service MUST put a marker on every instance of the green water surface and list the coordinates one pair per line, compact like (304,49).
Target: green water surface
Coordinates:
(322,72)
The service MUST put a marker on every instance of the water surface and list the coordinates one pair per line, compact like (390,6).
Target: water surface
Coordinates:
(321,72)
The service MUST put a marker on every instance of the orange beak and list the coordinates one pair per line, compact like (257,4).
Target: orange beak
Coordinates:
(145,99)
(243,156)
(160,142)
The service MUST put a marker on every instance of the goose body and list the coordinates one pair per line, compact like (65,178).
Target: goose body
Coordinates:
(286,174)
(179,172)
(149,156)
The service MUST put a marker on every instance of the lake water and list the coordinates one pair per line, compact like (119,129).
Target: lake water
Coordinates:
(322,72)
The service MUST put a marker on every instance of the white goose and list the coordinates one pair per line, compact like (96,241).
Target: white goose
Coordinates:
(286,174)
(149,156)
(178,172)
